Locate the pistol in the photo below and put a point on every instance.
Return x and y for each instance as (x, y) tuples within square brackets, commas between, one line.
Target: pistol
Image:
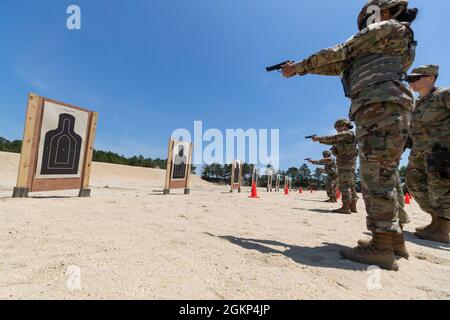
[(310, 137), (278, 67), (308, 159)]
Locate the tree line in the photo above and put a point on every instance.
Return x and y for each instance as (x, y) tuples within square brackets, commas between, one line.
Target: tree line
[(217, 173), (100, 156), (10, 146), (301, 177)]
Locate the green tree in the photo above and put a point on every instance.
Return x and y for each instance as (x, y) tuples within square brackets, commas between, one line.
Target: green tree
[(304, 175)]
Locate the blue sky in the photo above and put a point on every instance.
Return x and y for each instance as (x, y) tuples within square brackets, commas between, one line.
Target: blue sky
[(152, 66)]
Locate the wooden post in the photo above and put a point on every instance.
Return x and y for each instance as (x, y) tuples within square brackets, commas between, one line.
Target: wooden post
[(169, 167), (232, 176), (187, 190), (241, 169), (24, 178), (85, 191), (269, 180)]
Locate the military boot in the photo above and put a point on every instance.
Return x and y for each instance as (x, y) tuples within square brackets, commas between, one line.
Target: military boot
[(379, 252), (439, 233), (345, 208), (398, 244), (430, 227), (353, 206), (331, 200)]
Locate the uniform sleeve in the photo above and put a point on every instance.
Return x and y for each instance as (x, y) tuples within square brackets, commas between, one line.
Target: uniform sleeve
[(328, 140), (322, 162), (333, 140), (444, 97), (331, 61)]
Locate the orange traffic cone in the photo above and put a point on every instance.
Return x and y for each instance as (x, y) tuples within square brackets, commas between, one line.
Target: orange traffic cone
[(407, 199), (338, 194), (301, 190), (286, 190), (254, 194)]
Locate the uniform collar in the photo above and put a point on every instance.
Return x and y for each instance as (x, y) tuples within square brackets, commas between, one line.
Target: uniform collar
[(429, 95)]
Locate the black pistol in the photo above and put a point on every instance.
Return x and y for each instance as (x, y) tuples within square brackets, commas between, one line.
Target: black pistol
[(277, 67), (310, 137)]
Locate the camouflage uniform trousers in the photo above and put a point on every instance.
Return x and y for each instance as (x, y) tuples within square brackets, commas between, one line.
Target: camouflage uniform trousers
[(430, 190), (382, 130), (331, 186), (347, 183)]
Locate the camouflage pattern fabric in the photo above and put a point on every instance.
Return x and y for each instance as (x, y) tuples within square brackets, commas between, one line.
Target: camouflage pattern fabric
[(390, 38), (382, 4), (430, 125), (331, 172), (347, 184), (381, 111), (382, 130), (425, 70), (344, 148)]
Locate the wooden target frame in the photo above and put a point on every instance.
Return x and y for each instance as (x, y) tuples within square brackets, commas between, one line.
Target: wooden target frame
[(269, 180), (171, 182), (29, 179), (277, 183), (286, 182), (236, 185)]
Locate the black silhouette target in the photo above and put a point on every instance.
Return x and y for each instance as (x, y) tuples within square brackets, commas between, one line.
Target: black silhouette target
[(62, 148), (180, 164), (237, 169)]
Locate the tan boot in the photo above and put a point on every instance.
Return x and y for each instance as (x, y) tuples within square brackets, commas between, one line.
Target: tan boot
[(430, 227), (345, 208), (439, 233), (331, 200), (398, 244), (380, 252), (353, 206)]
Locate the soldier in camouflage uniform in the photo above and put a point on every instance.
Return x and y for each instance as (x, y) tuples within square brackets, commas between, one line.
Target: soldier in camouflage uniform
[(430, 134), (344, 146), (330, 170), (372, 64)]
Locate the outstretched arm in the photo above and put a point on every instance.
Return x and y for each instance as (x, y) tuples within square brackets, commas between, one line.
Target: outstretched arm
[(333, 140), (331, 61), (322, 162), (328, 140)]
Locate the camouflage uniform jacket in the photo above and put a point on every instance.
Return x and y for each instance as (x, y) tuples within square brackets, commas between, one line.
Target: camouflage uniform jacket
[(387, 38), (344, 148), (330, 166), (430, 122)]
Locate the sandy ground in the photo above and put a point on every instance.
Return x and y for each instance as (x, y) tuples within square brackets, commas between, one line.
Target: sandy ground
[(130, 242)]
